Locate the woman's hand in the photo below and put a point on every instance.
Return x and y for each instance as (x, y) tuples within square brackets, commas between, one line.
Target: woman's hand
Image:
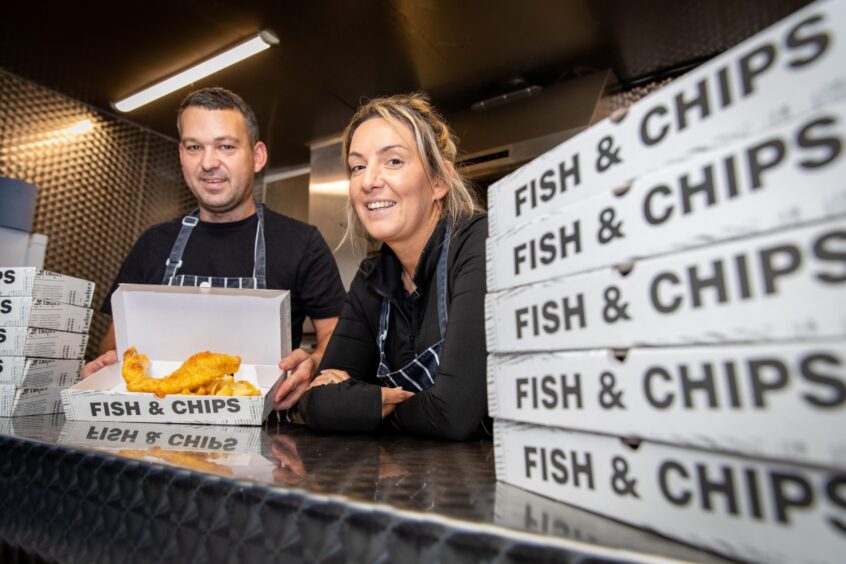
[(329, 376), (391, 398), (295, 385), (105, 359)]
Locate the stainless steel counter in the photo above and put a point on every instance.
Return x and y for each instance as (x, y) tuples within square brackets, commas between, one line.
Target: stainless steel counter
[(119, 492)]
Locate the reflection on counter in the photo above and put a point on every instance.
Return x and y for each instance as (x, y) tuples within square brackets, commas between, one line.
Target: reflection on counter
[(201, 438), (452, 483), (433, 475), (233, 451), (453, 479), (519, 509), (42, 428)]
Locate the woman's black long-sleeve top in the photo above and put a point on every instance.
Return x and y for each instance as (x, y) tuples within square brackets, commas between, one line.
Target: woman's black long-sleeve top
[(456, 404)]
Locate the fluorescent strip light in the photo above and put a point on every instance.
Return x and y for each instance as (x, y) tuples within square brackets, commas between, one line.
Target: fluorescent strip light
[(201, 70)]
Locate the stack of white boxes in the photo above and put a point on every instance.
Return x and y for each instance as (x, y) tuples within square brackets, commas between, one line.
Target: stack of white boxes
[(666, 317), (44, 321)]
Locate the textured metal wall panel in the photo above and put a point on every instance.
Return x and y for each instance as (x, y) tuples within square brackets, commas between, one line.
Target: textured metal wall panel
[(101, 180)]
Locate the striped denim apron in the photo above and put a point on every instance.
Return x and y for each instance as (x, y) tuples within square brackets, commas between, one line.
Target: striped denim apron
[(174, 261), (420, 373)]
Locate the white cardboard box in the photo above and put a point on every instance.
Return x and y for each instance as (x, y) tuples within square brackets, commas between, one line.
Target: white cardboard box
[(15, 401), (169, 324), (42, 343), (785, 176), (39, 372), (783, 401), (25, 281), (30, 312), (21, 247), (741, 507), (791, 67), (786, 285)]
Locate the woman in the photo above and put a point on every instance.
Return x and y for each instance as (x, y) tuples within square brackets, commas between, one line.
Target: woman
[(409, 349)]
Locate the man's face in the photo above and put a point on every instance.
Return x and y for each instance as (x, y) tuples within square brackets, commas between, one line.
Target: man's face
[(219, 163)]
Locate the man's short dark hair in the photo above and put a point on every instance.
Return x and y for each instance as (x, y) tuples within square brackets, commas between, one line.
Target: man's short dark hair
[(218, 98)]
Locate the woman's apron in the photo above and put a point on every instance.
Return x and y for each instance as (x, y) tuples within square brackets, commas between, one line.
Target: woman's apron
[(420, 373)]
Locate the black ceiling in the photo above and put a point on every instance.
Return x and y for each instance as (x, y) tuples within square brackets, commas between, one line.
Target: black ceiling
[(332, 53)]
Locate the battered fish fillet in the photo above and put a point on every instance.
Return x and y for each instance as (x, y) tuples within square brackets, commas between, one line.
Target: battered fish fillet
[(199, 370)]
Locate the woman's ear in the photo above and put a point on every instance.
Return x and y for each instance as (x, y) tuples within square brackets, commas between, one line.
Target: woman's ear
[(442, 184)]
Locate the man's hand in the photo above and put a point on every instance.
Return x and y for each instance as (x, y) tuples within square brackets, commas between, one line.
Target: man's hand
[(296, 384), (391, 398), (105, 359)]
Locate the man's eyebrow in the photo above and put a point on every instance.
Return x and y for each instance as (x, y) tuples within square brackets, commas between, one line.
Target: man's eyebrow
[(227, 138)]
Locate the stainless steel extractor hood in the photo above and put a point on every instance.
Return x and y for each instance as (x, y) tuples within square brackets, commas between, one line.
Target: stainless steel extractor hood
[(498, 140)]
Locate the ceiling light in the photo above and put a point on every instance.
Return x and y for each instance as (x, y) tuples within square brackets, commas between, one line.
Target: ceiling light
[(259, 43)]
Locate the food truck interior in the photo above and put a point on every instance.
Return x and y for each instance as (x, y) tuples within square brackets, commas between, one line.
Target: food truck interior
[(514, 80)]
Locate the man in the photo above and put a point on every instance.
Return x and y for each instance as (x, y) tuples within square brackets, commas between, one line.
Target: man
[(229, 241)]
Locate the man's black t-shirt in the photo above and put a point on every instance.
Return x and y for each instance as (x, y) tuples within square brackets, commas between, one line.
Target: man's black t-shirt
[(298, 260)]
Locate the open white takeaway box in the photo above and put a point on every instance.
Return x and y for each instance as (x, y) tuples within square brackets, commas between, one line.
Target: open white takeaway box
[(169, 324)]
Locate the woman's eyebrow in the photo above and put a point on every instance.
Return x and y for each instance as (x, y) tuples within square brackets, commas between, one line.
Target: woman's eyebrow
[(390, 147), (380, 151)]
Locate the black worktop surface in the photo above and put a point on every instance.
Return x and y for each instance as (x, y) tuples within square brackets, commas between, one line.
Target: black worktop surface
[(79, 491)]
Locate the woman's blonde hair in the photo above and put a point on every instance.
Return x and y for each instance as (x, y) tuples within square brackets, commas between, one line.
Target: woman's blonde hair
[(436, 146)]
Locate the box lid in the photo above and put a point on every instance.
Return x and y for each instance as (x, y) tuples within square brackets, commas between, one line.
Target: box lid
[(171, 323)]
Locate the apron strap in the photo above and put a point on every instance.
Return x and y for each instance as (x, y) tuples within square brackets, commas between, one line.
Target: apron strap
[(174, 261), (259, 255), (442, 281)]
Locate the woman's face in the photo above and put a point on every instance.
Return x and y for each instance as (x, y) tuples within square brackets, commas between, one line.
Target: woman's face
[(389, 189)]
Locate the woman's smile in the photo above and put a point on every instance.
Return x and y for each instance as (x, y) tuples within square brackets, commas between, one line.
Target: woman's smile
[(381, 204)]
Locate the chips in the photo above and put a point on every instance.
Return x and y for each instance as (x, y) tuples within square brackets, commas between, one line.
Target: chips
[(224, 386)]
